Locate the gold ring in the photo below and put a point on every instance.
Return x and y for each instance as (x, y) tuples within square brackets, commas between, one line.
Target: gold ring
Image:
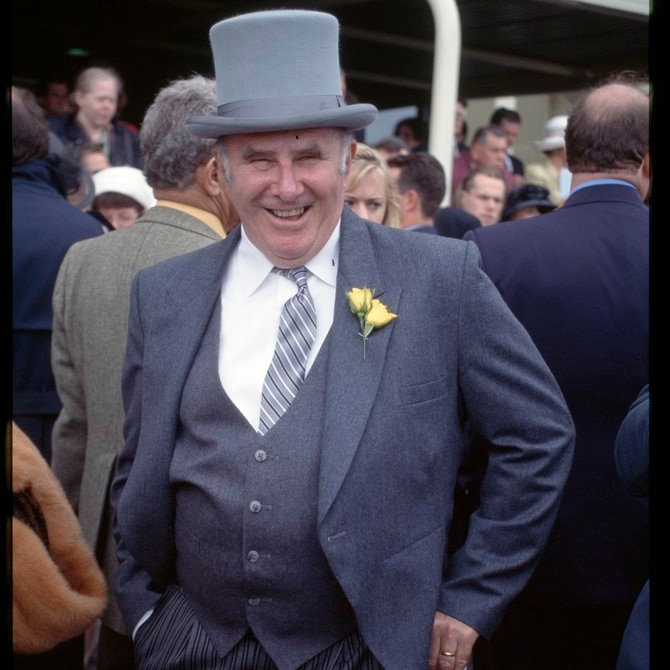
[(448, 653)]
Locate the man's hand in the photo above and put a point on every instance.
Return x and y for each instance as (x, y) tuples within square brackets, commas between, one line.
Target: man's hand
[(451, 644)]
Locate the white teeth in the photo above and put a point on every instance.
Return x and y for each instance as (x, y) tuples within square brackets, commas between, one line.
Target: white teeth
[(287, 213)]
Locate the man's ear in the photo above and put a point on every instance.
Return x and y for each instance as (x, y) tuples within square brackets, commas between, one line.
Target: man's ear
[(210, 176), (412, 200), (350, 157)]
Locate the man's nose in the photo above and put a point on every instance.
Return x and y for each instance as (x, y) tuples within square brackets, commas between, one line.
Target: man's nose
[(287, 184)]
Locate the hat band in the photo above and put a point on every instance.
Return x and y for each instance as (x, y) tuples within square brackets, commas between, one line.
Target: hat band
[(286, 106)]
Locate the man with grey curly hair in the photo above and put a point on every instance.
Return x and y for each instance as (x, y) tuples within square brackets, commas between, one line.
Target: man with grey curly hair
[(91, 313)]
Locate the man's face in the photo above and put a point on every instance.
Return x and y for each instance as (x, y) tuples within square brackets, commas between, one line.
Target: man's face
[(512, 131), (288, 188), (485, 199), (57, 98), (491, 153)]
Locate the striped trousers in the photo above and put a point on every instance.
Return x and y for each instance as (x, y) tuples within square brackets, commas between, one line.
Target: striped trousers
[(173, 639)]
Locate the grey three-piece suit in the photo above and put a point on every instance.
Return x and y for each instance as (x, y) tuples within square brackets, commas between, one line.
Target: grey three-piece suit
[(338, 517)]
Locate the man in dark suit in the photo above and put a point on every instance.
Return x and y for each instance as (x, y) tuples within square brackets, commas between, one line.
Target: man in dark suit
[(319, 541), (421, 184), (91, 317), (509, 120), (578, 279)]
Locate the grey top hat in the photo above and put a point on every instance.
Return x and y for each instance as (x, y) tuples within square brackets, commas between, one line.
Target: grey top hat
[(278, 70)]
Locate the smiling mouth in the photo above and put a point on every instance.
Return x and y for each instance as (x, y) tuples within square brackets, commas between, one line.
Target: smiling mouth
[(289, 213)]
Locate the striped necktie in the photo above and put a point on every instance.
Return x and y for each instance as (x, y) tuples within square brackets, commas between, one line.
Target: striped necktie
[(297, 330)]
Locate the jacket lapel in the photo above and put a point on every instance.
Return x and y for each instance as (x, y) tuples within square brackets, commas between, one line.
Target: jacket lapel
[(352, 383), (186, 312)]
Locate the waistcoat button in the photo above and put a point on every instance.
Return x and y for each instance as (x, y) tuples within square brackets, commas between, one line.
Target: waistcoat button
[(260, 455), (252, 556), (254, 602), (255, 506)]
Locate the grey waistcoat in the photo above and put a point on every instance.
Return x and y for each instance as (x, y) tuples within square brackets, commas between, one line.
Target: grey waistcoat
[(248, 554)]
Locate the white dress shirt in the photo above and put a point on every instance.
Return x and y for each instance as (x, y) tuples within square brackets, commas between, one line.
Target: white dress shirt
[(252, 298)]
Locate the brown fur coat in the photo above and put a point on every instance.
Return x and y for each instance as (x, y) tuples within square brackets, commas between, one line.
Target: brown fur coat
[(58, 590)]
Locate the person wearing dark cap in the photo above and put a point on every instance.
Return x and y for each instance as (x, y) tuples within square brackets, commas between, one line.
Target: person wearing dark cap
[(289, 506), (526, 201)]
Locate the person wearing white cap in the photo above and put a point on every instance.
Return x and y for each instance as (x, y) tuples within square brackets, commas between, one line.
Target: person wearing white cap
[(552, 171), (122, 195), (289, 507)]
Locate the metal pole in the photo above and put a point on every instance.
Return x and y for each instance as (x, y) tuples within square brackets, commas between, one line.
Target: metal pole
[(446, 68)]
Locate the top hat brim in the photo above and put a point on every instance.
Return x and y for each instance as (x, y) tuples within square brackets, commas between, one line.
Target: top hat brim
[(351, 117)]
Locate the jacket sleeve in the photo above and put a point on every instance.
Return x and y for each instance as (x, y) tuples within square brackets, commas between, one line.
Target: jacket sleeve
[(631, 448), (519, 416), (133, 586)]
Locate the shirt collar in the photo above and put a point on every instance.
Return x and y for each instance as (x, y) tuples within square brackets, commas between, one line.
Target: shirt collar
[(249, 267), (209, 219), (602, 182)]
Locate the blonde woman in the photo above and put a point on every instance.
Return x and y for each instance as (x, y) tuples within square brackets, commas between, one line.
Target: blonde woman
[(370, 191)]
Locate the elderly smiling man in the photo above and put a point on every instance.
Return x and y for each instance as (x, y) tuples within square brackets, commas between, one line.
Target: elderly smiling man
[(288, 504)]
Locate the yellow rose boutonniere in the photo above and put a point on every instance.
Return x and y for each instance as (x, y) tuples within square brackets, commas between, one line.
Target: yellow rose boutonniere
[(370, 311)]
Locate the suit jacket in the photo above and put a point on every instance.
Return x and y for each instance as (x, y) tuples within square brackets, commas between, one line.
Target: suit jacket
[(514, 165), (631, 454), (455, 355), (90, 322), (578, 279), (452, 221), (44, 226)]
